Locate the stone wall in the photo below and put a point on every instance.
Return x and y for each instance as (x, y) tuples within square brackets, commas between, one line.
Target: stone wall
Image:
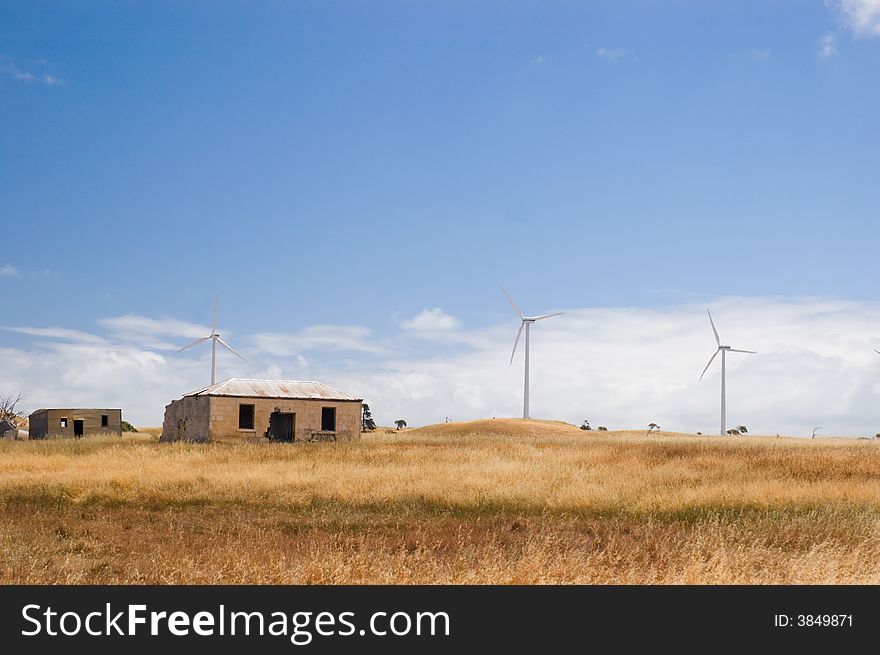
[(224, 417), (187, 419)]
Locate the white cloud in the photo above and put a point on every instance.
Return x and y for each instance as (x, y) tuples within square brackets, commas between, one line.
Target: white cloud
[(860, 16), (431, 320), (9, 68), (100, 375), (353, 338), (827, 46), (65, 334), (149, 332), (8, 270), (618, 367), (613, 54), (540, 59), (623, 367)]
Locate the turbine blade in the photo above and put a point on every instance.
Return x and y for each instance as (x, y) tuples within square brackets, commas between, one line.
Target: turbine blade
[(712, 359), (194, 343), (734, 350), (516, 343), (214, 324), (512, 304), (541, 318), (717, 338), (877, 351), (229, 348)]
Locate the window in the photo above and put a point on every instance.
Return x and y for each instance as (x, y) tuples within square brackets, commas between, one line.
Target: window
[(328, 419), (245, 417), (64, 423), (105, 420)]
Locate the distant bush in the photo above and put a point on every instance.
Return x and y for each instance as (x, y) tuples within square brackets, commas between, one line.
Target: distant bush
[(586, 426), (733, 432), (602, 428), (128, 427)]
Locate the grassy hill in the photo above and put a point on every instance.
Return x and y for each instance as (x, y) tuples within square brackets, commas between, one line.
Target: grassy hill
[(520, 427), (503, 501)]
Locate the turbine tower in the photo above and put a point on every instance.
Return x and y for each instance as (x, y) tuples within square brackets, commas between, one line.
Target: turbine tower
[(723, 350), (527, 324), (215, 338)]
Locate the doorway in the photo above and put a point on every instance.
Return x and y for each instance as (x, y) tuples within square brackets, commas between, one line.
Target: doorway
[(281, 426), (328, 419), (77, 427)]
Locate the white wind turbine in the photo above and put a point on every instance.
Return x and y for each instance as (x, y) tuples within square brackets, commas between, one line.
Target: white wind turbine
[(526, 323), (723, 350), (215, 338)]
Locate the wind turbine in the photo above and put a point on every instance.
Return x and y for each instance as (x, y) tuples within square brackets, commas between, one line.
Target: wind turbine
[(215, 338), (527, 324), (723, 350)]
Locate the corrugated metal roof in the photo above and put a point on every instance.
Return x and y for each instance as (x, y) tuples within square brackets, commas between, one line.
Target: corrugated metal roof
[(75, 409), (291, 389)]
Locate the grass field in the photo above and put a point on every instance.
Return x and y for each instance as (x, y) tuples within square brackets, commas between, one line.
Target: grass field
[(502, 501)]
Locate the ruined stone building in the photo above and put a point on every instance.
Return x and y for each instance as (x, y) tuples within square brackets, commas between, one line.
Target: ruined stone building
[(260, 410), (74, 422)]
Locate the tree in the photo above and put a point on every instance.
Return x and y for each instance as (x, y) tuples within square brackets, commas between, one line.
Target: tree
[(652, 427), (586, 425), (9, 411), (400, 423), (743, 429), (733, 432), (602, 428), (367, 422), (128, 427)]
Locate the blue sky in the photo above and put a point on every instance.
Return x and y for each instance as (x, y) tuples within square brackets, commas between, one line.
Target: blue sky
[(340, 168)]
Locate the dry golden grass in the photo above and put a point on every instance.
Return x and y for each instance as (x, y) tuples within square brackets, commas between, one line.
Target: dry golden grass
[(502, 501)]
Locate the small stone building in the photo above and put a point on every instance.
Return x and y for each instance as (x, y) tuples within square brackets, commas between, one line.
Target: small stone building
[(263, 410), (74, 422)]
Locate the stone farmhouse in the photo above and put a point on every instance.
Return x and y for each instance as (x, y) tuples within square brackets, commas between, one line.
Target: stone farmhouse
[(239, 410)]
